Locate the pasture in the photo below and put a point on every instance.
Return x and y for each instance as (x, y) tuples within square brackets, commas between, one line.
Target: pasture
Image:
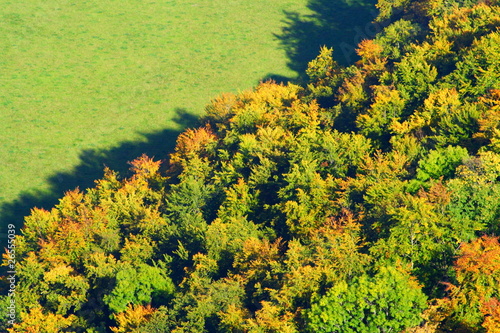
[(80, 76), (92, 83)]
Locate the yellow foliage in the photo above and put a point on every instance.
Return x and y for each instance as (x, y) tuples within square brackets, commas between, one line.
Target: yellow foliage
[(132, 318), (100, 265), (271, 136), (413, 123), (464, 20), (432, 317), (442, 102), (270, 318), (137, 248), (234, 317), (306, 117), (489, 121), (258, 256), (272, 95), (434, 50), (387, 106), (352, 91), (38, 322), (222, 107), (71, 203), (57, 273), (385, 166), (323, 68), (73, 239), (38, 225)]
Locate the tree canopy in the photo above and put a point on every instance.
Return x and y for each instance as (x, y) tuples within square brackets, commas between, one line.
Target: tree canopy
[(365, 200)]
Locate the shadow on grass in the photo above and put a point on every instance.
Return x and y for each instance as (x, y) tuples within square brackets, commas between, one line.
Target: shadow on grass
[(91, 167), (280, 79), (340, 24)]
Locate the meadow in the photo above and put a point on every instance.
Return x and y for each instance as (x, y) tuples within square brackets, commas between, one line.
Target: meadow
[(97, 83), (90, 75)]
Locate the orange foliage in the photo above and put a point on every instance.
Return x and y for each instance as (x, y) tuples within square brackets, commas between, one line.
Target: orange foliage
[(145, 165), (369, 50), (371, 55), (481, 256), (475, 299), (491, 312), (132, 318), (438, 195), (195, 141)]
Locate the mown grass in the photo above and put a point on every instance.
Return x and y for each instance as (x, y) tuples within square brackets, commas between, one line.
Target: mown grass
[(89, 75)]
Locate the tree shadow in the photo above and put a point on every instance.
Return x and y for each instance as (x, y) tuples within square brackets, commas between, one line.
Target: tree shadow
[(279, 79), (340, 24), (91, 167)]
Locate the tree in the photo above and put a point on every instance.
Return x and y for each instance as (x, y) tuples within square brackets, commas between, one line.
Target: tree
[(389, 301), (474, 298)]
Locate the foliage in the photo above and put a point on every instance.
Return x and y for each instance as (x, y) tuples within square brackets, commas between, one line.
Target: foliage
[(474, 300), (388, 301), (366, 200), (77, 68), (132, 318)]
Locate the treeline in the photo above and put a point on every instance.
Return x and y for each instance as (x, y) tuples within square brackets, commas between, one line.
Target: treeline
[(367, 200)]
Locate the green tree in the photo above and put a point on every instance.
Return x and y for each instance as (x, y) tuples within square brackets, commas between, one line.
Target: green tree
[(389, 301), (139, 285), (437, 164)]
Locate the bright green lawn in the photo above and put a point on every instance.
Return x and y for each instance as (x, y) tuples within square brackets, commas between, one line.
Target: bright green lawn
[(79, 75)]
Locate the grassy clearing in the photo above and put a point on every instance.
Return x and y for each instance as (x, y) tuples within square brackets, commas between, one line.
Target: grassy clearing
[(80, 75)]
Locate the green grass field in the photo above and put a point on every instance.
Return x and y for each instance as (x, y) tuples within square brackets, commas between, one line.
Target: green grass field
[(93, 83), (90, 75)]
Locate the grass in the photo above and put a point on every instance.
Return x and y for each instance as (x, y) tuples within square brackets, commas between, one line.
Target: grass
[(90, 75)]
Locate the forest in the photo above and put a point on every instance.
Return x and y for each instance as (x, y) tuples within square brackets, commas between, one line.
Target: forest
[(365, 199)]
